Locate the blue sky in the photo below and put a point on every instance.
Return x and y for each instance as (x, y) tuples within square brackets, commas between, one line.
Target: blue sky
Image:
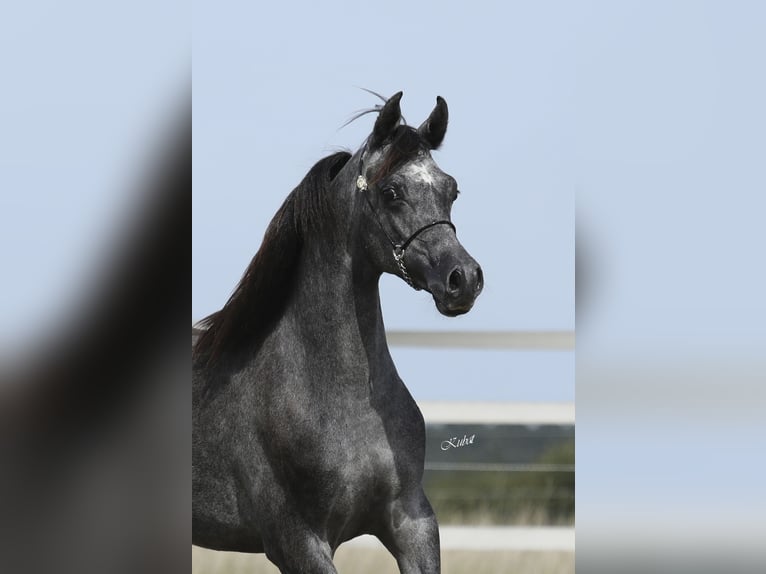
[(271, 91)]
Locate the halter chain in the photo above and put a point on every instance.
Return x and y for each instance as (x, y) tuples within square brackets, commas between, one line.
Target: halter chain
[(398, 248)]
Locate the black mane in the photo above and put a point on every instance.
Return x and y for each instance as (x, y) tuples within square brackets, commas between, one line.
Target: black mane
[(268, 282), (260, 297)]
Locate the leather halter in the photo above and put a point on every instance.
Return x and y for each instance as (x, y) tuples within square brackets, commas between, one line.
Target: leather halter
[(398, 248)]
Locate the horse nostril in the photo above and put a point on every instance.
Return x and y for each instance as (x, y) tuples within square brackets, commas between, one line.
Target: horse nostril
[(455, 281), (479, 279)]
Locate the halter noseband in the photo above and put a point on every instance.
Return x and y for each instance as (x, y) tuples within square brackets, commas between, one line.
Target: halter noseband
[(398, 248)]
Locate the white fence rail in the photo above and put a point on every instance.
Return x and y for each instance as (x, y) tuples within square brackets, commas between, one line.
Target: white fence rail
[(478, 412), (537, 538), (509, 340)]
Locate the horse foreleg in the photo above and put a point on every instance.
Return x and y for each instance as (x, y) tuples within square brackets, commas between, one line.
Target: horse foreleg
[(412, 534), (299, 551)]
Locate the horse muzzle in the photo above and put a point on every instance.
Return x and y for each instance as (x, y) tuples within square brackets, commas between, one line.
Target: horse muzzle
[(456, 290)]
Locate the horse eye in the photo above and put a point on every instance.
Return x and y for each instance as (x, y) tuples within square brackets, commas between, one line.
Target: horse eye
[(390, 193)]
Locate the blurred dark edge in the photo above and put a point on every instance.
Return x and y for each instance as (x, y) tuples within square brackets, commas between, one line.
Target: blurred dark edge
[(95, 433)]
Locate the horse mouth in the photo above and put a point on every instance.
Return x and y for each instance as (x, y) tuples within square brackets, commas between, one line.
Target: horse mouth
[(453, 310)]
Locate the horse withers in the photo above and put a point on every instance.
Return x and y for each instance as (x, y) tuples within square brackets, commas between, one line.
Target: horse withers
[(304, 436)]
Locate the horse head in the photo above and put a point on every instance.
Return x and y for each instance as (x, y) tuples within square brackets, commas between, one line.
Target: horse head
[(408, 203)]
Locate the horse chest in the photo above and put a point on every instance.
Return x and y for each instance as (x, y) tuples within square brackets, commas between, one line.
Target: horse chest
[(342, 459), (341, 452), (356, 449), (361, 481)]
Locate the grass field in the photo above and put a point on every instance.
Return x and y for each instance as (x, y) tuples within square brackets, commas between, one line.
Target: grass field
[(350, 560)]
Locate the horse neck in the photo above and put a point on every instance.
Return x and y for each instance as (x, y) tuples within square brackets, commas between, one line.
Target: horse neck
[(332, 290), (336, 303)]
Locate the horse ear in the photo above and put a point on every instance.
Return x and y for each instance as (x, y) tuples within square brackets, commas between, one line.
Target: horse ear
[(434, 128), (388, 118)]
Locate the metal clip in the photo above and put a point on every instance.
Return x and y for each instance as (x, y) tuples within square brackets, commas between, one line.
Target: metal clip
[(399, 258), (361, 183)]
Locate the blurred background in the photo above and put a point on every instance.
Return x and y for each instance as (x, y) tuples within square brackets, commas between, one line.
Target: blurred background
[(671, 318), (95, 196)]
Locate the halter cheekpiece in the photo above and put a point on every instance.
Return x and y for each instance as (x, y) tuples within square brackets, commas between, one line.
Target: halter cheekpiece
[(398, 248)]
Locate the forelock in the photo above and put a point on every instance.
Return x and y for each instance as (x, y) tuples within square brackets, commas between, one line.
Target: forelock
[(405, 145)]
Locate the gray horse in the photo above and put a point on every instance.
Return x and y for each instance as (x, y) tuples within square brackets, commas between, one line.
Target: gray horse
[(304, 436)]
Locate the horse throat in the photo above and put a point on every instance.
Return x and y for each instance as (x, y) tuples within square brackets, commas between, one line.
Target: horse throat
[(336, 311)]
